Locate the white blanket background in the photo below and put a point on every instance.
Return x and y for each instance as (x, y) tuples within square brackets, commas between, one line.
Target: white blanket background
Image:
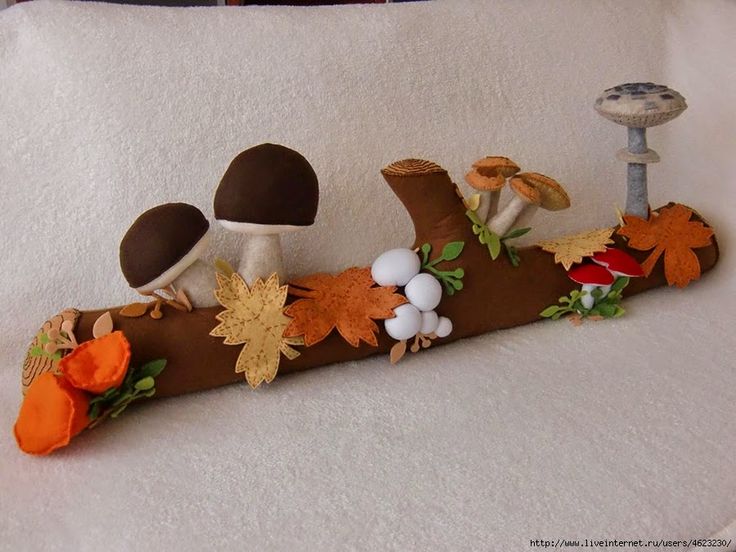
[(623, 429)]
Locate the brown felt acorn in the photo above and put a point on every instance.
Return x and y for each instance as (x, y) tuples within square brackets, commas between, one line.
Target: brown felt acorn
[(267, 190)]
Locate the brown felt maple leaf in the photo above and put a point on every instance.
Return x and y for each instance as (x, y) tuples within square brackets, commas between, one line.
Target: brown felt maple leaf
[(673, 233), (348, 301)]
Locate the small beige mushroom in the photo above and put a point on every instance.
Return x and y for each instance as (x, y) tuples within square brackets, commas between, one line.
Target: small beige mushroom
[(532, 190), (489, 177)]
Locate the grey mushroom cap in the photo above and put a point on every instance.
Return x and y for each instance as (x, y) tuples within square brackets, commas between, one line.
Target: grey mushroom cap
[(640, 104)]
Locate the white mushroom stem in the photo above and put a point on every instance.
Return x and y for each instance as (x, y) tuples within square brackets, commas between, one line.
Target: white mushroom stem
[(503, 221), (493, 199), (261, 257), (588, 300), (198, 282), (484, 206)]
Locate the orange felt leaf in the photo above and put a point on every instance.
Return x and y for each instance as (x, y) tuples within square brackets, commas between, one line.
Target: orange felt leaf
[(99, 364), (52, 412), (347, 301), (673, 233)]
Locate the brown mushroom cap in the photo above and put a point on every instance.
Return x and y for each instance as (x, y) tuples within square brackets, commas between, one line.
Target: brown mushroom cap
[(158, 240), (268, 185), (484, 183), (553, 196), (495, 166), (526, 191)]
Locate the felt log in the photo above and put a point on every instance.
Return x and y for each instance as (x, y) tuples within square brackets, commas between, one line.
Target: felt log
[(495, 295)]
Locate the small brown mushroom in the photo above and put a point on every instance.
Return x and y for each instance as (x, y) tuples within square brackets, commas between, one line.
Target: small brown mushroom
[(489, 177), (550, 196), (161, 250), (266, 191)]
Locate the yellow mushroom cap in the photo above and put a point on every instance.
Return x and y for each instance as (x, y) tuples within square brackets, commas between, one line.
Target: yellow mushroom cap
[(495, 166), (553, 197), (526, 191), (484, 183)]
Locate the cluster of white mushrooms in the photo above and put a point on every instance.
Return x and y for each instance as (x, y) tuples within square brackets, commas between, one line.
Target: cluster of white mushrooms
[(531, 191), (402, 268)]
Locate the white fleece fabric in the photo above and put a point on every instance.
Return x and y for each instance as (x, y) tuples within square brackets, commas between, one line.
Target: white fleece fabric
[(620, 429)]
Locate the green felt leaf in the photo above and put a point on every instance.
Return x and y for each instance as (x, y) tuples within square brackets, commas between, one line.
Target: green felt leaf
[(117, 411), (457, 284), (56, 356), (151, 369), (620, 283), (607, 310), (549, 311), (36, 351), (494, 245), (43, 339), (619, 312), (597, 293), (94, 411), (516, 233), (145, 384), (452, 250), (458, 273)]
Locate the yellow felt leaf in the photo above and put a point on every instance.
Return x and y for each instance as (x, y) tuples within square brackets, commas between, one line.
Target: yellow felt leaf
[(569, 250), (255, 319), (473, 202), (224, 267)]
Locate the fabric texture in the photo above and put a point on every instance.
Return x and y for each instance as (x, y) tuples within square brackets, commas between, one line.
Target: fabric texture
[(621, 428)]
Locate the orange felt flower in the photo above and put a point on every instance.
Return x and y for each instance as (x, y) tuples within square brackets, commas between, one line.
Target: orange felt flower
[(52, 412), (99, 364)]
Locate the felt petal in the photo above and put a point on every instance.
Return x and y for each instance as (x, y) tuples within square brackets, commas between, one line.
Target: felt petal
[(52, 412), (99, 364)]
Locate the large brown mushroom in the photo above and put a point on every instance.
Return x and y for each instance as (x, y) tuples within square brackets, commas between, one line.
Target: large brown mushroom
[(533, 190), (266, 191), (161, 251)]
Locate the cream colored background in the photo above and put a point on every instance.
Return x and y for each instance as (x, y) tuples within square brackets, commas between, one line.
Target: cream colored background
[(610, 430)]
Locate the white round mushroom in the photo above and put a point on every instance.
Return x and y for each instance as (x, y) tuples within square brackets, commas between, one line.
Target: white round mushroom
[(406, 324), (430, 320), (395, 267), (444, 327), (424, 292)]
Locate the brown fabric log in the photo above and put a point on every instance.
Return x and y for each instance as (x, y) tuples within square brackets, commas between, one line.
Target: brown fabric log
[(496, 295)]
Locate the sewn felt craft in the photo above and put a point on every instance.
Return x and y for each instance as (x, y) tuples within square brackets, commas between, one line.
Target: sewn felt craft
[(199, 326)]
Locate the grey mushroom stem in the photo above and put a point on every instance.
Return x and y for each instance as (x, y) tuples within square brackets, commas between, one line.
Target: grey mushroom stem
[(637, 198), (261, 257)]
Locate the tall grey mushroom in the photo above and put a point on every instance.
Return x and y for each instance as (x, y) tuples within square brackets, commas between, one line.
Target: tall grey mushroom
[(161, 251), (637, 106), (266, 191)]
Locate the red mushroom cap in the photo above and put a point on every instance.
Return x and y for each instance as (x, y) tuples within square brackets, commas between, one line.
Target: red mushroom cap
[(619, 261), (591, 274)]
